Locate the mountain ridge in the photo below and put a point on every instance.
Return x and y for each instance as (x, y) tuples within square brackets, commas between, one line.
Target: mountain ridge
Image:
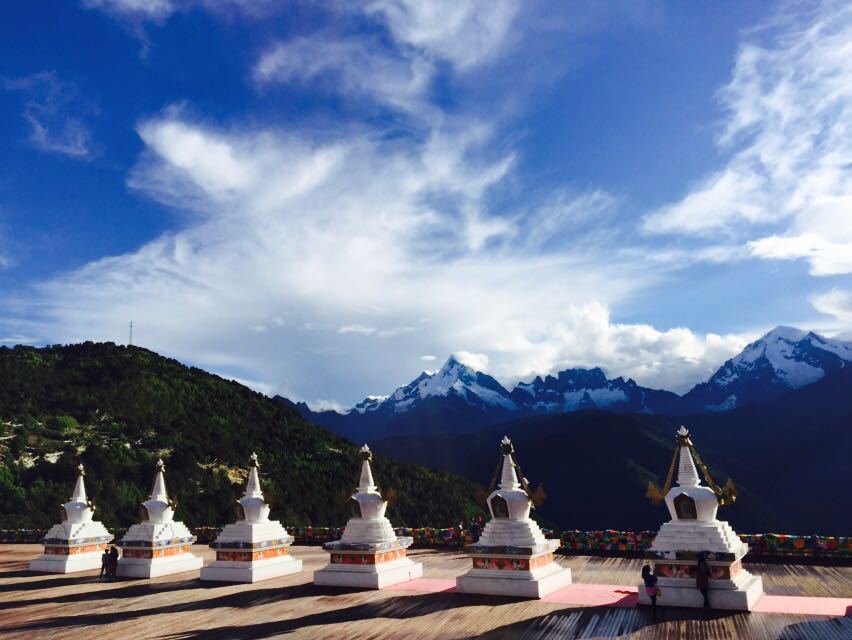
[(458, 398), (789, 460)]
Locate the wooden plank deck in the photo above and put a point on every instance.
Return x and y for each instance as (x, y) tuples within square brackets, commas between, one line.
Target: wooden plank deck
[(181, 607)]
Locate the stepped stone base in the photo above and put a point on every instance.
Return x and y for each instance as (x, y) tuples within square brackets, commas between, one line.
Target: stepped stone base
[(72, 546), (369, 576), (744, 597), (675, 554), (528, 571), (67, 563), (162, 566), (370, 565), (251, 571), (523, 584), (715, 536)]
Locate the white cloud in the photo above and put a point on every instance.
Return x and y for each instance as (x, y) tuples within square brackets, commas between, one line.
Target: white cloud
[(351, 67), (826, 258), (355, 236), (428, 358), (585, 336), (291, 227), (150, 9), (395, 331), (837, 303), (56, 114), (729, 196), (15, 339), (357, 328), (786, 187), (466, 34), (327, 405), (400, 76), (159, 10), (478, 361)]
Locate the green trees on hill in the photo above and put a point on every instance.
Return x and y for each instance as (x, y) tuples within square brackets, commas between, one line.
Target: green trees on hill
[(117, 409)]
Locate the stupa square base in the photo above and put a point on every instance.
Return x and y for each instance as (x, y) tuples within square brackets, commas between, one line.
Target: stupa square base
[(251, 571), (521, 584), (368, 576), (744, 597), (154, 567), (72, 563)]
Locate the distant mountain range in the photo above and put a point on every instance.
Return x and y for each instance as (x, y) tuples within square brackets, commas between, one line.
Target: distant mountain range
[(789, 458), (458, 399)]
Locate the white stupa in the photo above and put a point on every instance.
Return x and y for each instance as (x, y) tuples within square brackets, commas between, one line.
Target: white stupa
[(76, 544), (157, 546), (512, 557), (693, 530), (369, 554), (254, 548)]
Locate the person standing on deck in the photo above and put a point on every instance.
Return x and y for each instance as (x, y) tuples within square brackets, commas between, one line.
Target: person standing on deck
[(104, 564), (113, 562), (475, 530), (650, 581), (702, 579)]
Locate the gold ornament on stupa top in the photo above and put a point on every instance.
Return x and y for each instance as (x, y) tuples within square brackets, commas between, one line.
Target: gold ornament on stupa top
[(726, 494)]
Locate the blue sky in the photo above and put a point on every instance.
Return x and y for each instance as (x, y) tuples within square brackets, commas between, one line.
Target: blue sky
[(322, 199)]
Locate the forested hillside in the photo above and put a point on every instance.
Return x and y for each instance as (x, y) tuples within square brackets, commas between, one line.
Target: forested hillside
[(117, 409)]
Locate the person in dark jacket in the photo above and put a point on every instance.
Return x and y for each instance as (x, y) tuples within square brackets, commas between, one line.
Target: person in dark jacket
[(650, 581), (104, 564), (702, 579), (475, 530), (113, 562)]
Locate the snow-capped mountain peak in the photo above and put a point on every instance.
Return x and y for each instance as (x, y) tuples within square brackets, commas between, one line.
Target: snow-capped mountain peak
[(785, 358), (574, 389), (453, 380), (370, 403), (458, 379), (798, 358)]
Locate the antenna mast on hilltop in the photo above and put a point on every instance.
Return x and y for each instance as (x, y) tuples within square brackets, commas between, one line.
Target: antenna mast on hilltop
[(130, 340)]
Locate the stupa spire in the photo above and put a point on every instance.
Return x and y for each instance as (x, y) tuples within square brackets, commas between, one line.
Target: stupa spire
[(508, 477), (160, 544), (79, 494), (158, 491), (687, 474), (512, 540), (253, 485), (368, 541), (366, 484)]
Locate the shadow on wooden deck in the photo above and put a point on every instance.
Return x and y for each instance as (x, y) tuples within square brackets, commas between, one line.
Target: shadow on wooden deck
[(830, 629), (395, 608), (233, 600), (122, 589), (607, 622), (47, 583)]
